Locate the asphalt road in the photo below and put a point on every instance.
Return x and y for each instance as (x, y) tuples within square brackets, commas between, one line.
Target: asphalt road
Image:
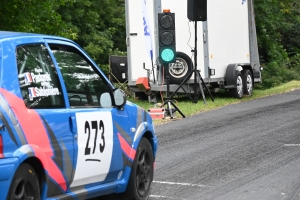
[(249, 150)]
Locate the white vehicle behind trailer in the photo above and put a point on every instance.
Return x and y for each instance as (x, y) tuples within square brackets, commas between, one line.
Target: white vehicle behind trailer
[(227, 52)]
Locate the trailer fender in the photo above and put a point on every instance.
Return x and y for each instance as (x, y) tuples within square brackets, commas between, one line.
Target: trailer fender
[(230, 77)]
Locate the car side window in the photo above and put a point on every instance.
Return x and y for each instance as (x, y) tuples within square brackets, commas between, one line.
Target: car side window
[(84, 84), (38, 79)]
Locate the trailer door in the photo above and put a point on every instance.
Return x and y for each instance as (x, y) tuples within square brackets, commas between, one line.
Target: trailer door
[(140, 38)]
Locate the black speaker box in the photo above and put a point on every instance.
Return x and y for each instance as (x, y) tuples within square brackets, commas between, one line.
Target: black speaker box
[(197, 10), (119, 68)]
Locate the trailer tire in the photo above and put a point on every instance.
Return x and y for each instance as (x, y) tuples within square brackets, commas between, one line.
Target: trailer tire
[(238, 91), (247, 82), (179, 70)]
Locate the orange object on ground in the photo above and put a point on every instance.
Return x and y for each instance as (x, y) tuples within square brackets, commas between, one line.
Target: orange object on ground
[(143, 83), (157, 113)]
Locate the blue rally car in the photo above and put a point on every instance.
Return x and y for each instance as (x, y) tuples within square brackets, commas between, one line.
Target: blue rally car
[(65, 131)]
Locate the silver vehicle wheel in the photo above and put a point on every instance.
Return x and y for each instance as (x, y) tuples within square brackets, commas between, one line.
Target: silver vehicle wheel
[(238, 92), (248, 82), (239, 86), (178, 69)]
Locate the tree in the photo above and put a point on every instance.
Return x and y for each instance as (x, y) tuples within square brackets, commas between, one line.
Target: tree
[(100, 26), (277, 22), (33, 16)]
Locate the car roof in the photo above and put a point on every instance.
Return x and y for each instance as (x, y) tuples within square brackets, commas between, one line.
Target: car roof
[(11, 34)]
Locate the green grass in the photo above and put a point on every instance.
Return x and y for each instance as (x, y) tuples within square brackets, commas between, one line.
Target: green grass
[(221, 99)]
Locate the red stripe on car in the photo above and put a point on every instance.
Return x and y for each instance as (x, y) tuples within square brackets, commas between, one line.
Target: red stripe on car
[(130, 152)]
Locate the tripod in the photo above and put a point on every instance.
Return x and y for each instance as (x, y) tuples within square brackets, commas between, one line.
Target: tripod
[(169, 101), (197, 78)]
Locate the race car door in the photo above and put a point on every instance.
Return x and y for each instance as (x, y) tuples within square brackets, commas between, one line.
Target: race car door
[(47, 119), (98, 156)]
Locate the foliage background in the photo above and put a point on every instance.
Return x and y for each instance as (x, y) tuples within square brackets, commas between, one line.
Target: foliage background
[(99, 27), (278, 28)]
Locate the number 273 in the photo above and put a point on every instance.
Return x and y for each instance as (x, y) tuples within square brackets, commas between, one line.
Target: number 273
[(95, 127)]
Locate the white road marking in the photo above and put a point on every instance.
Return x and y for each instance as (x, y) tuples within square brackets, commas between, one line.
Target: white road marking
[(291, 145), (159, 196), (184, 184)]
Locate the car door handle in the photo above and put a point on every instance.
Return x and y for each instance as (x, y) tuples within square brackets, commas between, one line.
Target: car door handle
[(73, 127)]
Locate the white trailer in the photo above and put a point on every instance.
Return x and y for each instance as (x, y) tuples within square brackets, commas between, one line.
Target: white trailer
[(227, 53)]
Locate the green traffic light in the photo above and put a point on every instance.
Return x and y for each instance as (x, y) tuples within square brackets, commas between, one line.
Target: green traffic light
[(167, 55)]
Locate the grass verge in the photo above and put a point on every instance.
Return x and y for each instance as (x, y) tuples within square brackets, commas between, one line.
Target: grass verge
[(221, 99)]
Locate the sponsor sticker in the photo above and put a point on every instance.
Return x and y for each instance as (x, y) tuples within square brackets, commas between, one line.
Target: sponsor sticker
[(28, 77), (32, 93), (41, 77), (42, 92)]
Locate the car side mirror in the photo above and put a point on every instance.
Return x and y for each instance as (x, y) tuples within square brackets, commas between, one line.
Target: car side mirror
[(119, 97)]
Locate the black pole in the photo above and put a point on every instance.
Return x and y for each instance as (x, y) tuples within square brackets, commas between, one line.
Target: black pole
[(153, 71), (195, 64)]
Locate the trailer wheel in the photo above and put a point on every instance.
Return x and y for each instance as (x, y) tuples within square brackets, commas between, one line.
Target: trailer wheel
[(179, 70), (238, 92), (247, 82)]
